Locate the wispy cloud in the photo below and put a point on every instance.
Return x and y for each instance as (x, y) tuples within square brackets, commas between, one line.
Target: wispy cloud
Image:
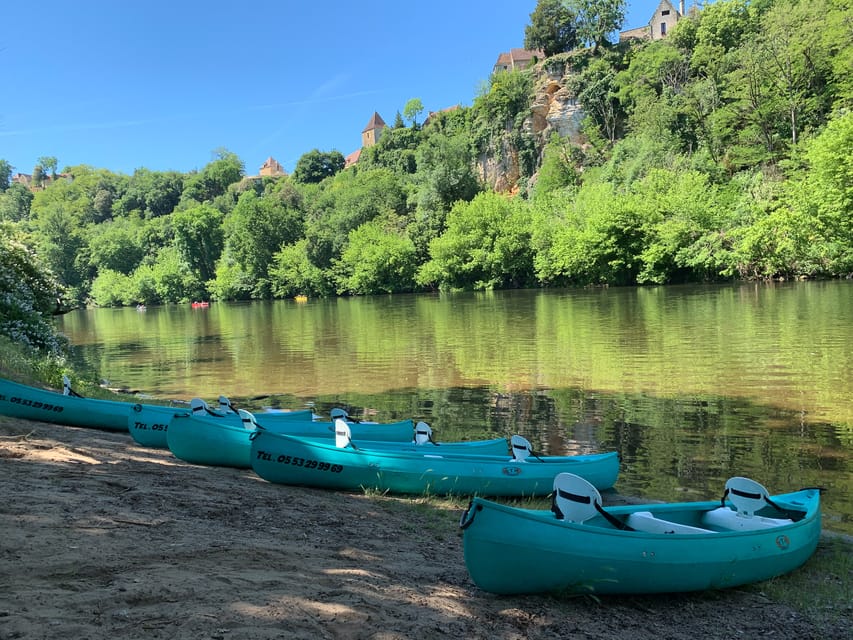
[(315, 98), (88, 126)]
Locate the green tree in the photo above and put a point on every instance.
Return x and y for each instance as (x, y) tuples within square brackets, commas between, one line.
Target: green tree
[(294, 274), (173, 279), (116, 245), (486, 246), (593, 238), (152, 193), (60, 237), (15, 203), (412, 110), (790, 41), (596, 19), (825, 193), (5, 175), (232, 282), (595, 88), (38, 176), (215, 178), (379, 258), (394, 151), (256, 230), (346, 202), (552, 28), (445, 176), (49, 163), (558, 168), (199, 238), (30, 296), (315, 166), (111, 289)]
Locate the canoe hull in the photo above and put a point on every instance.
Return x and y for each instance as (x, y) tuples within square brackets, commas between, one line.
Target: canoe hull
[(539, 553), (32, 403), (225, 442), (283, 459), (213, 442), (149, 427)]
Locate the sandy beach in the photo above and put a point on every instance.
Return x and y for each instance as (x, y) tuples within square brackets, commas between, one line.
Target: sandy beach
[(105, 539)]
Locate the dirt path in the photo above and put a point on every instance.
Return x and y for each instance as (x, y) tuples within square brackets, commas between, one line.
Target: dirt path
[(104, 539)]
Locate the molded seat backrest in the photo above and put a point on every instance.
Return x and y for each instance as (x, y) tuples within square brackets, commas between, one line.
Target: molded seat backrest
[(647, 522), (521, 448), (247, 419), (198, 406), (337, 412), (225, 405), (423, 433), (746, 495), (66, 386), (343, 435), (575, 497)]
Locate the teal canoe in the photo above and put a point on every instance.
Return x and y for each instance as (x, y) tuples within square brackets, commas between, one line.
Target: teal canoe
[(24, 401), (149, 427), (217, 442), (285, 459), (579, 547)]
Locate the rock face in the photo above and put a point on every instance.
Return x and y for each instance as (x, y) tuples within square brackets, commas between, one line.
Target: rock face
[(554, 110)]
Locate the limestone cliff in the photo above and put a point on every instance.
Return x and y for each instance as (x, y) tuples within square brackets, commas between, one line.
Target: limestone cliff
[(553, 109)]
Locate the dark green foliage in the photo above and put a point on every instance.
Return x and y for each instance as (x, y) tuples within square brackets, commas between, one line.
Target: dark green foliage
[(30, 296), (349, 200), (199, 239), (5, 175), (315, 166), (214, 179), (552, 28), (152, 193), (15, 203), (722, 151), (255, 231)]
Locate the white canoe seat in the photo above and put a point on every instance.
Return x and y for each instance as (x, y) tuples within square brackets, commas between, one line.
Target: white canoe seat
[(66, 388), (225, 405), (343, 435), (577, 500), (647, 522), (574, 499), (337, 412), (423, 433), (747, 496), (247, 419), (199, 407), (521, 448), (731, 520)]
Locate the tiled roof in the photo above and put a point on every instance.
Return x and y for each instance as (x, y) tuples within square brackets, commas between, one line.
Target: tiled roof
[(352, 158), (376, 122)]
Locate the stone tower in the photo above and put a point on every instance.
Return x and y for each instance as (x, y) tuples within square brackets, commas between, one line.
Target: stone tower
[(372, 132)]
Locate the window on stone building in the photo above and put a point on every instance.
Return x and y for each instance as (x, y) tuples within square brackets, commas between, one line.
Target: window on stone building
[(663, 28)]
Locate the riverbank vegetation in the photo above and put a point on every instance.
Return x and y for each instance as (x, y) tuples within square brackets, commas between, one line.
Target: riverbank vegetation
[(724, 151)]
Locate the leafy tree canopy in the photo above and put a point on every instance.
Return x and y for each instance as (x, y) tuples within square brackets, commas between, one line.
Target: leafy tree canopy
[(315, 166), (552, 28)]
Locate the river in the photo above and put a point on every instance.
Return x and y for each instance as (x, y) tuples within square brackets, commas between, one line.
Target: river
[(692, 384)]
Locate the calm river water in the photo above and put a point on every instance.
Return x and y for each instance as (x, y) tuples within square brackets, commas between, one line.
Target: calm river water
[(691, 384)]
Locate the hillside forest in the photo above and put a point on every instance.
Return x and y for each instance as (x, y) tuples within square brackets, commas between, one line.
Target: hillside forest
[(724, 151)]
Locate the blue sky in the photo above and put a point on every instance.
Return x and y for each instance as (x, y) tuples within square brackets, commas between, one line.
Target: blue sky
[(163, 84)]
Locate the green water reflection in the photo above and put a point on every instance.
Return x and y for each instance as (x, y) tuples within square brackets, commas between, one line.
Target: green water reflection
[(690, 384)]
